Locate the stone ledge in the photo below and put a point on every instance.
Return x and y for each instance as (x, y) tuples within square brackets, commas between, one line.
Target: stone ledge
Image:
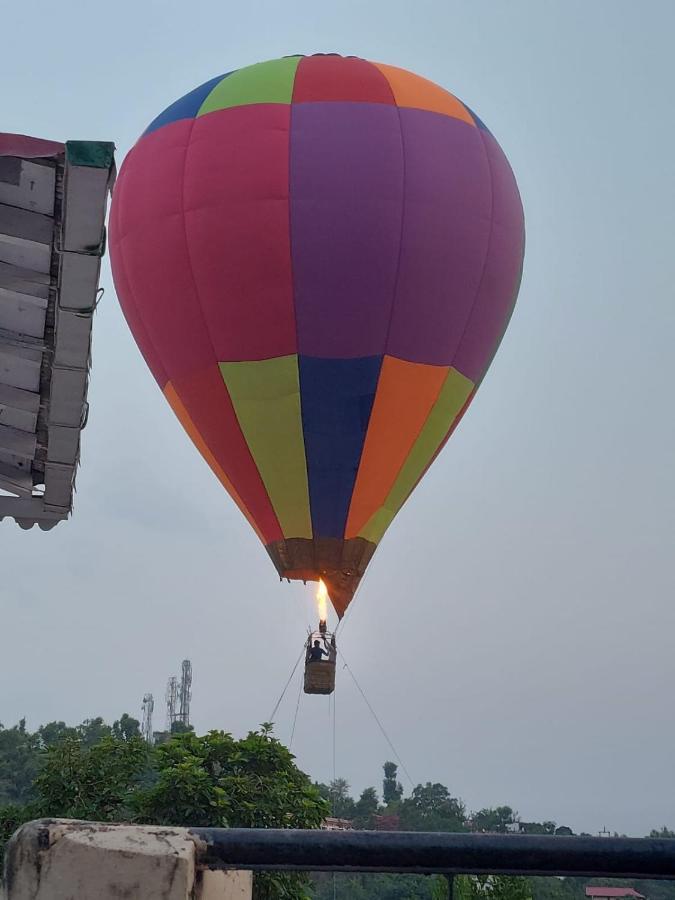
[(61, 859)]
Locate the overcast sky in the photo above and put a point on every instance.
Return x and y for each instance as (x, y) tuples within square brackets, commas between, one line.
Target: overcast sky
[(515, 631)]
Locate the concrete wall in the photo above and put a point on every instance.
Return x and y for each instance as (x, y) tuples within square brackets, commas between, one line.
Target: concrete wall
[(68, 860)]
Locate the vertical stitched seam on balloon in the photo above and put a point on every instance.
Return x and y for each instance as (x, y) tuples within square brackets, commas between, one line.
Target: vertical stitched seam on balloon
[(410, 452), (208, 333), (485, 261), (466, 326), (446, 437), (477, 382), (393, 304), (295, 315), (393, 299)]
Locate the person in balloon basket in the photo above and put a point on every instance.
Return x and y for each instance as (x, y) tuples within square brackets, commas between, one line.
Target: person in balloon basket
[(316, 652)]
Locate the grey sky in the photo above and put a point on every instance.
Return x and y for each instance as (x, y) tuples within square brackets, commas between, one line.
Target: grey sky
[(515, 632)]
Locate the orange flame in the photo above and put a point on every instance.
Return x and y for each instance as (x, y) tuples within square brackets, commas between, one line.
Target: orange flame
[(322, 600)]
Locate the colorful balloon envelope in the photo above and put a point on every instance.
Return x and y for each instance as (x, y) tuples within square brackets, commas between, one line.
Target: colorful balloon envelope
[(318, 257)]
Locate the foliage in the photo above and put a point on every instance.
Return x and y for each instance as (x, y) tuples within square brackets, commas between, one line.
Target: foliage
[(217, 780), (492, 887), (11, 818), (18, 763), (110, 774), (95, 771), (91, 782), (180, 727), (126, 728), (392, 790), (372, 887), (494, 819), (366, 808), (342, 806), (249, 783), (431, 808)]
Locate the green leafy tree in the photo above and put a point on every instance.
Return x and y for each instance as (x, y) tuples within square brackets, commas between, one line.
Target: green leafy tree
[(180, 728), (12, 817), (493, 819), (53, 732), (250, 783), (92, 731), (661, 833), (366, 808), (392, 790), (431, 808), (214, 780), (492, 887), (338, 797), (91, 782), (126, 728), (328, 886), (19, 762), (484, 887)]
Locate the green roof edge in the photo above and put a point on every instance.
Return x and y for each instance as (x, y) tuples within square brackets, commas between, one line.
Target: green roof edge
[(95, 154)]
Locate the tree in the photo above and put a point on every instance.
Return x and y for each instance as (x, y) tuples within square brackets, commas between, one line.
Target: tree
[(492, 887), (392, 790), (180, 727), (92, 731), (214, 780), (249, 783), (337, 795), (126, 728), (53, 732), (431, 808), (493, 819), (661, 833), (96, 782), (19, 763), (366, 808)]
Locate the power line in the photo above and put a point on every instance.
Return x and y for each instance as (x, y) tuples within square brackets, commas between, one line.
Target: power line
[(380, 725)]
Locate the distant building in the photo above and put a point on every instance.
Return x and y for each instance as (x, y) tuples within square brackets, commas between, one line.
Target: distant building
[(598, 892), (333, 824)]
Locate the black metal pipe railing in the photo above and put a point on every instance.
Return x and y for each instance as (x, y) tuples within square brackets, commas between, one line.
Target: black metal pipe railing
[(424, 852)]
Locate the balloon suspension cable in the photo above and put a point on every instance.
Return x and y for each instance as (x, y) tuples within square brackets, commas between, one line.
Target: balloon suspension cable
[(331, 697), (351, 605), (290, 678), (379, 724), (297, 708)]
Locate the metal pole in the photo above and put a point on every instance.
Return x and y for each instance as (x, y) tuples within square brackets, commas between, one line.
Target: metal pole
[(445, 854)]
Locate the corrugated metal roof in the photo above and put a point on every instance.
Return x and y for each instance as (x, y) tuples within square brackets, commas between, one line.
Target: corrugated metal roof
[(53, 201)]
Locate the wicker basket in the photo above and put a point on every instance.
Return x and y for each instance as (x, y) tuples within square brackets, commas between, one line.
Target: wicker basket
[(319, 677)]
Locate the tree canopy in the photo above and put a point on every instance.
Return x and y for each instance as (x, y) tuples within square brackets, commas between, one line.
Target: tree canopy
[(108, 773)]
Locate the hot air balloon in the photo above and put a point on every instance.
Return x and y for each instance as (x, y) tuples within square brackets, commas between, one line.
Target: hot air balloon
[(318, 257)]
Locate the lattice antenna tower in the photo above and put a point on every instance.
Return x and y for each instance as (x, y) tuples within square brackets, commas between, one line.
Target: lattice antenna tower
[(146, 727), (171, 701), (185, 693)]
